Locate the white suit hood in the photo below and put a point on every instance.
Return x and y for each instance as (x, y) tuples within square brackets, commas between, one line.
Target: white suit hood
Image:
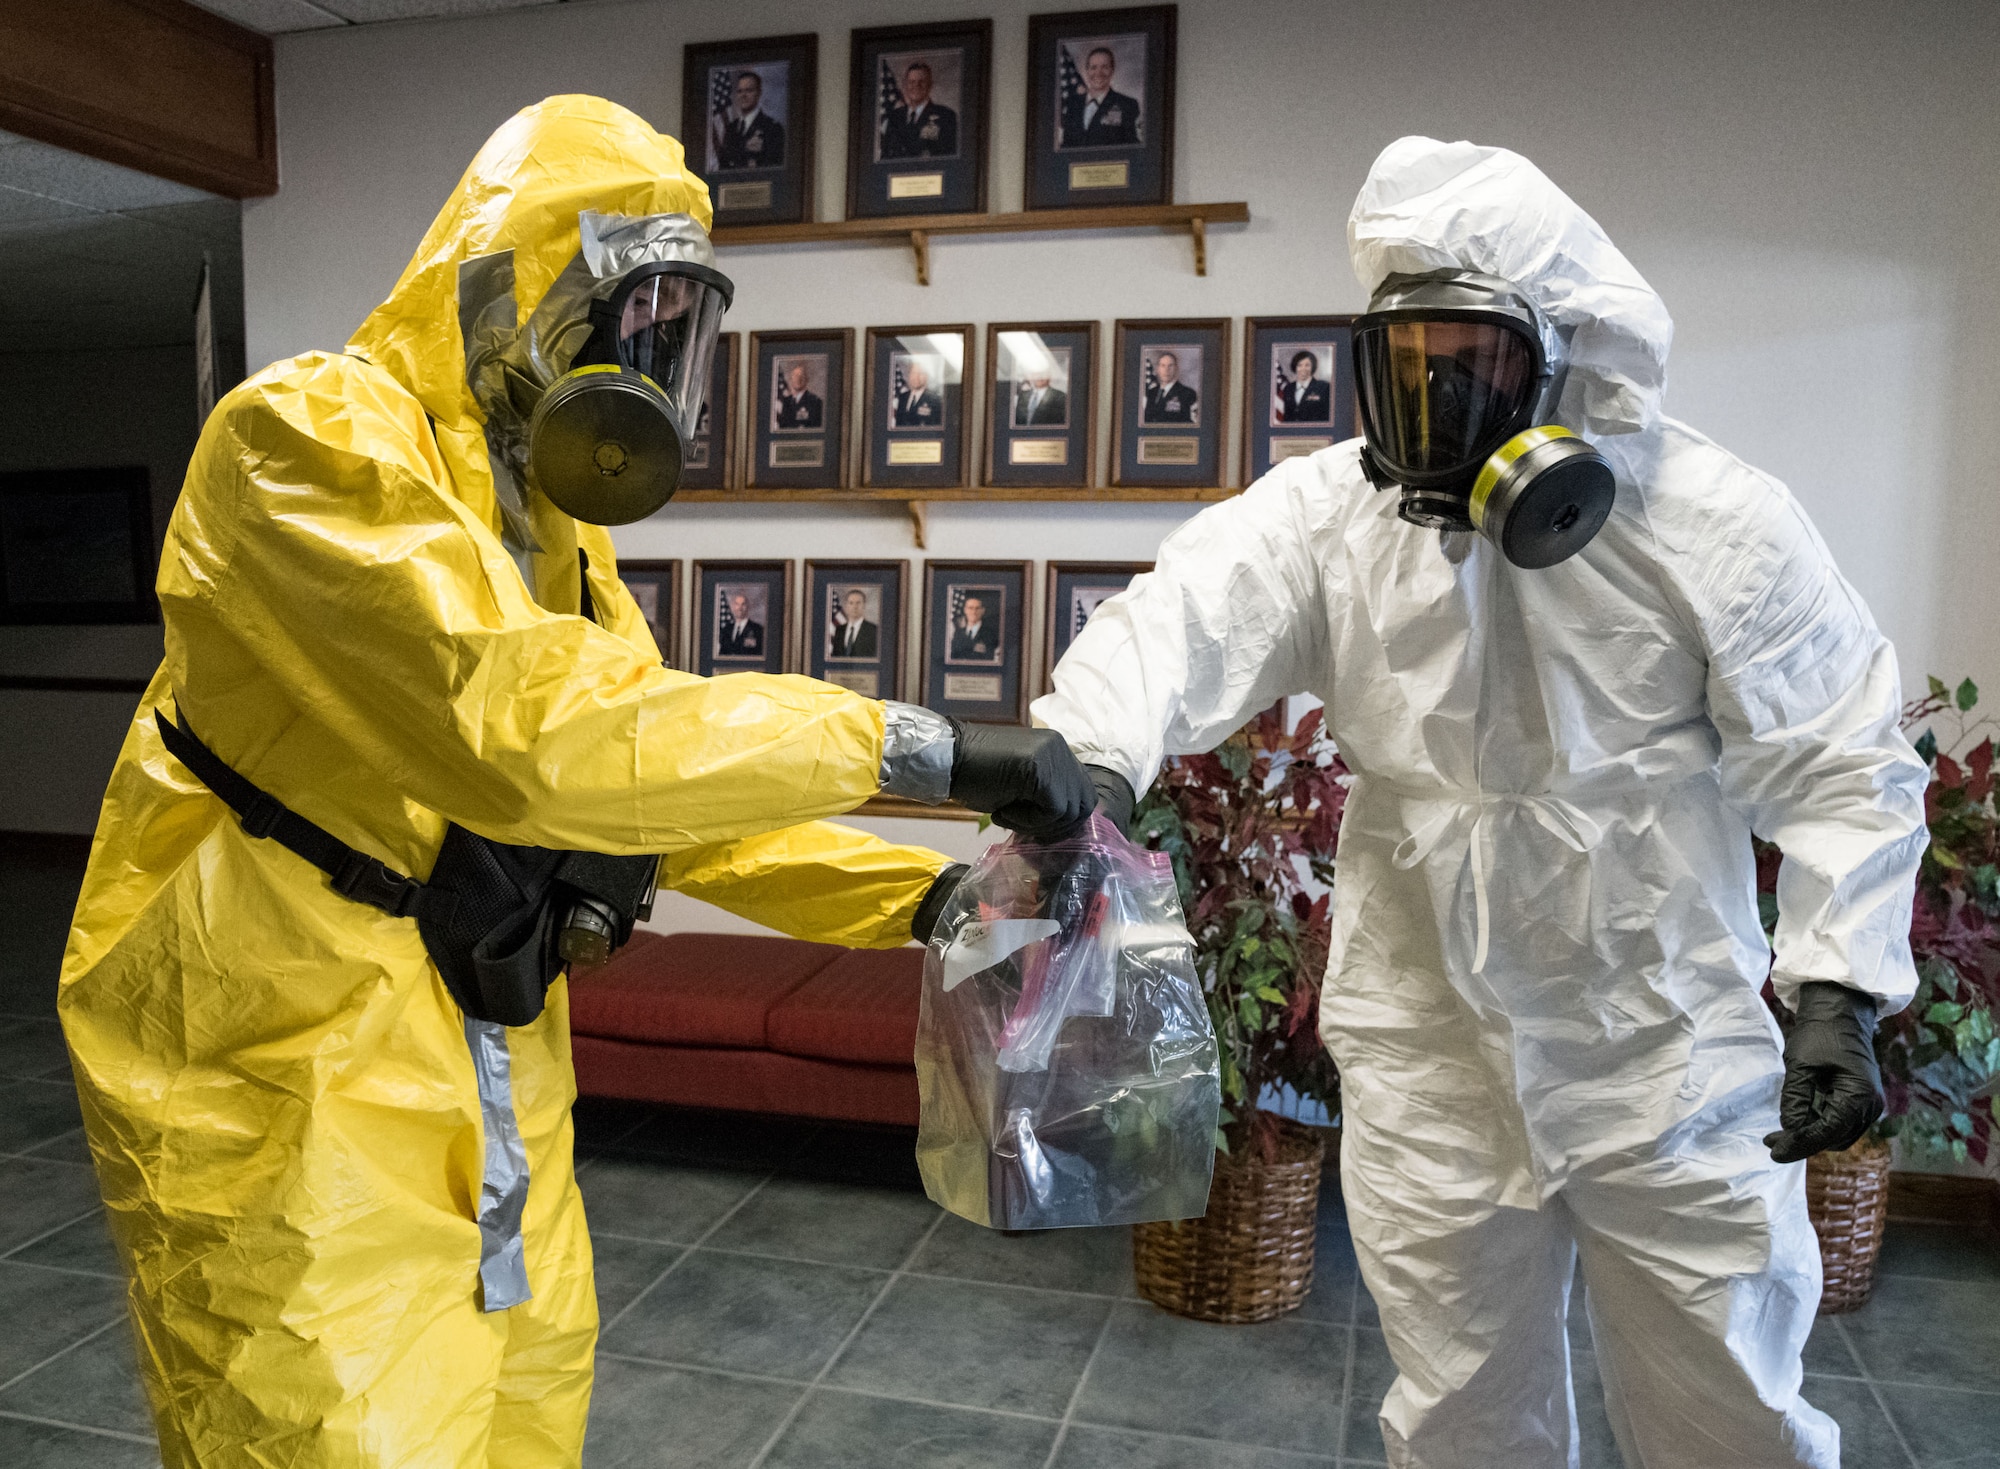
[(1429, 205)]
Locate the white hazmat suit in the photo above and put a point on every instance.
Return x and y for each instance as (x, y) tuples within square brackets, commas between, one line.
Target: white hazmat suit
[(1543, 986)]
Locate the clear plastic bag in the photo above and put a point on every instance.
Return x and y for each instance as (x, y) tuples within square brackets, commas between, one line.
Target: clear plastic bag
[(1064, 1054)]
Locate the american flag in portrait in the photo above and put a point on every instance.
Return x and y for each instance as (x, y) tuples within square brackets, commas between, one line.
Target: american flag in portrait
[(725, 619), (1071, 90), (888, 103)]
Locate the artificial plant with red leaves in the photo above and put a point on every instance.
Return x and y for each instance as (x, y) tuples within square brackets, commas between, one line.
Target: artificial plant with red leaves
[(1246, 826), (1940, 1056)]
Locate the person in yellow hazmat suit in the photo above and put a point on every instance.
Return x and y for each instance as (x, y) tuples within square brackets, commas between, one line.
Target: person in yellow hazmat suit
[(412, 746)]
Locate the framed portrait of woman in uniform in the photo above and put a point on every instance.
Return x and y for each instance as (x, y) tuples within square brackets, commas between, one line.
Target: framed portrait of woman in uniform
[(1100, 108), (917, 119), (1298, 384)]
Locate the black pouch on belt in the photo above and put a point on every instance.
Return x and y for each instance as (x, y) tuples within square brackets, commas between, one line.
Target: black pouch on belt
[(499, 921), (493, 916)]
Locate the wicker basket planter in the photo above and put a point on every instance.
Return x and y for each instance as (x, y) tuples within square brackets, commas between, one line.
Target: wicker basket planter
[(1250, 1258), (1847, 1194)]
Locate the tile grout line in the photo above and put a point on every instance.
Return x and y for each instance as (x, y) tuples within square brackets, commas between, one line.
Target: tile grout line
[(734, 1375), (20, 1377), (791, 1416), (1347, 1368), (47, 1233), (682, 1258), (1076, 1393), (1875, 1392), (150, 1443)]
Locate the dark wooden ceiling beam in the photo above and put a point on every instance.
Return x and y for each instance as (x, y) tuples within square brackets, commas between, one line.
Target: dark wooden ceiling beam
[(157, 85)]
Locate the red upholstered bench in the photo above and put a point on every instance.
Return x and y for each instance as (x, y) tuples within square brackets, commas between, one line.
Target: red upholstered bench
[(753, 1024)]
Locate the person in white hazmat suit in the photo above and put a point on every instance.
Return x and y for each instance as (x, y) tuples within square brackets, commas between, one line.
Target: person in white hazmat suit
[(1565, 724)]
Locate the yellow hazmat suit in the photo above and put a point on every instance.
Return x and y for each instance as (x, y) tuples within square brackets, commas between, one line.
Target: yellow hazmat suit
[(280, 1095)]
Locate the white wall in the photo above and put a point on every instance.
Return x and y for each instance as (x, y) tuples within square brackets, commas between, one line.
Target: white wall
[(1814, 187)]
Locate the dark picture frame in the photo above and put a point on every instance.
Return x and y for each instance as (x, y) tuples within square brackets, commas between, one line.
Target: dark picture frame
[(710, 461), (979, 674), (1280, 425), (722, 642), (1169, 435), (733, 157), (1046, 438), (656, 587), (76, 546), (916, 439), (1116, 147), (906, 158), (871, 666), (782, 439), (1073, 588)]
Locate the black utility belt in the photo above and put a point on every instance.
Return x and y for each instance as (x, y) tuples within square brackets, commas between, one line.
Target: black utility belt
[(501, 922)]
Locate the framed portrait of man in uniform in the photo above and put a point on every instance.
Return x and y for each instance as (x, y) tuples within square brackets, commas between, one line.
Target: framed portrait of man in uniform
[(915, 434), (742, 617), (1076, 589), (656, 587), (747, 121), (1041, 412), (709, 461), (1100, 108), (917, 119), (1169, 381), (1299, 394), (854, 616), (976, 640), (799, 409)]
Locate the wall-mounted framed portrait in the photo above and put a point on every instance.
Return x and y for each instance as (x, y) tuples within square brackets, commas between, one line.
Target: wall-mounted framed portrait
[(855, 612), (1041, 410), (742, 617), (1298, 388), (76, 545), (799, 386), (656, 587), (1169, 382), (709, 462), (1100, 108), (917, 119), (975, 645), (1075, 591), (916, 433), (747, 119)]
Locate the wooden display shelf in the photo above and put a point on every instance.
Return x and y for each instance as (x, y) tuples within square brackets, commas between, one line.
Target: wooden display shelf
[(1120, 493), (916, 230), (903, 806)]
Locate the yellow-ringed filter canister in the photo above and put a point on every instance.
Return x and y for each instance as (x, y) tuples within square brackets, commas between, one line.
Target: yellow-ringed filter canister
[(1542, 495)]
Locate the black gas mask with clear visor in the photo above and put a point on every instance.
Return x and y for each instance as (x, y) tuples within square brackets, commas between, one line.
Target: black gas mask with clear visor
[(606, 441), (1459, 377)]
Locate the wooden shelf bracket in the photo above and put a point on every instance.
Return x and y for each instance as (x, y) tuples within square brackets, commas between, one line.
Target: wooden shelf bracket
[(1198, 229), (920, 245), (919, 522)]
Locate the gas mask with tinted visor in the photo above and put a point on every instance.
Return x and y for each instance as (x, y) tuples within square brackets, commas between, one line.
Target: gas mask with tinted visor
[(593, 400), (1459, 376)]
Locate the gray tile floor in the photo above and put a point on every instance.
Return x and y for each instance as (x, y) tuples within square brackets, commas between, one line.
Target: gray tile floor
[(781, 1295)]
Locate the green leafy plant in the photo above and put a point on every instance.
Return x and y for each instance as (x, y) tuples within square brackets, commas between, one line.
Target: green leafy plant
[(1246, 826), (1940, 1056)]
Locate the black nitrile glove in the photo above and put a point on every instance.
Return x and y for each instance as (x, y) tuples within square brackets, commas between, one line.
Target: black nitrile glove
[(1114, 797), (1833, 1090), (924, 924), (1026, 778)]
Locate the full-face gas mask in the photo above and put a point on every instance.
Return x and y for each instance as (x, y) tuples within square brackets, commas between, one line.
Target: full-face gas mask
[(1460, 374), (592, 402)]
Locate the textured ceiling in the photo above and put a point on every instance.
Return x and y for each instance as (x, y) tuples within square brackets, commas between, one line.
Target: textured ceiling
[(92, 254), (274, 17)]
